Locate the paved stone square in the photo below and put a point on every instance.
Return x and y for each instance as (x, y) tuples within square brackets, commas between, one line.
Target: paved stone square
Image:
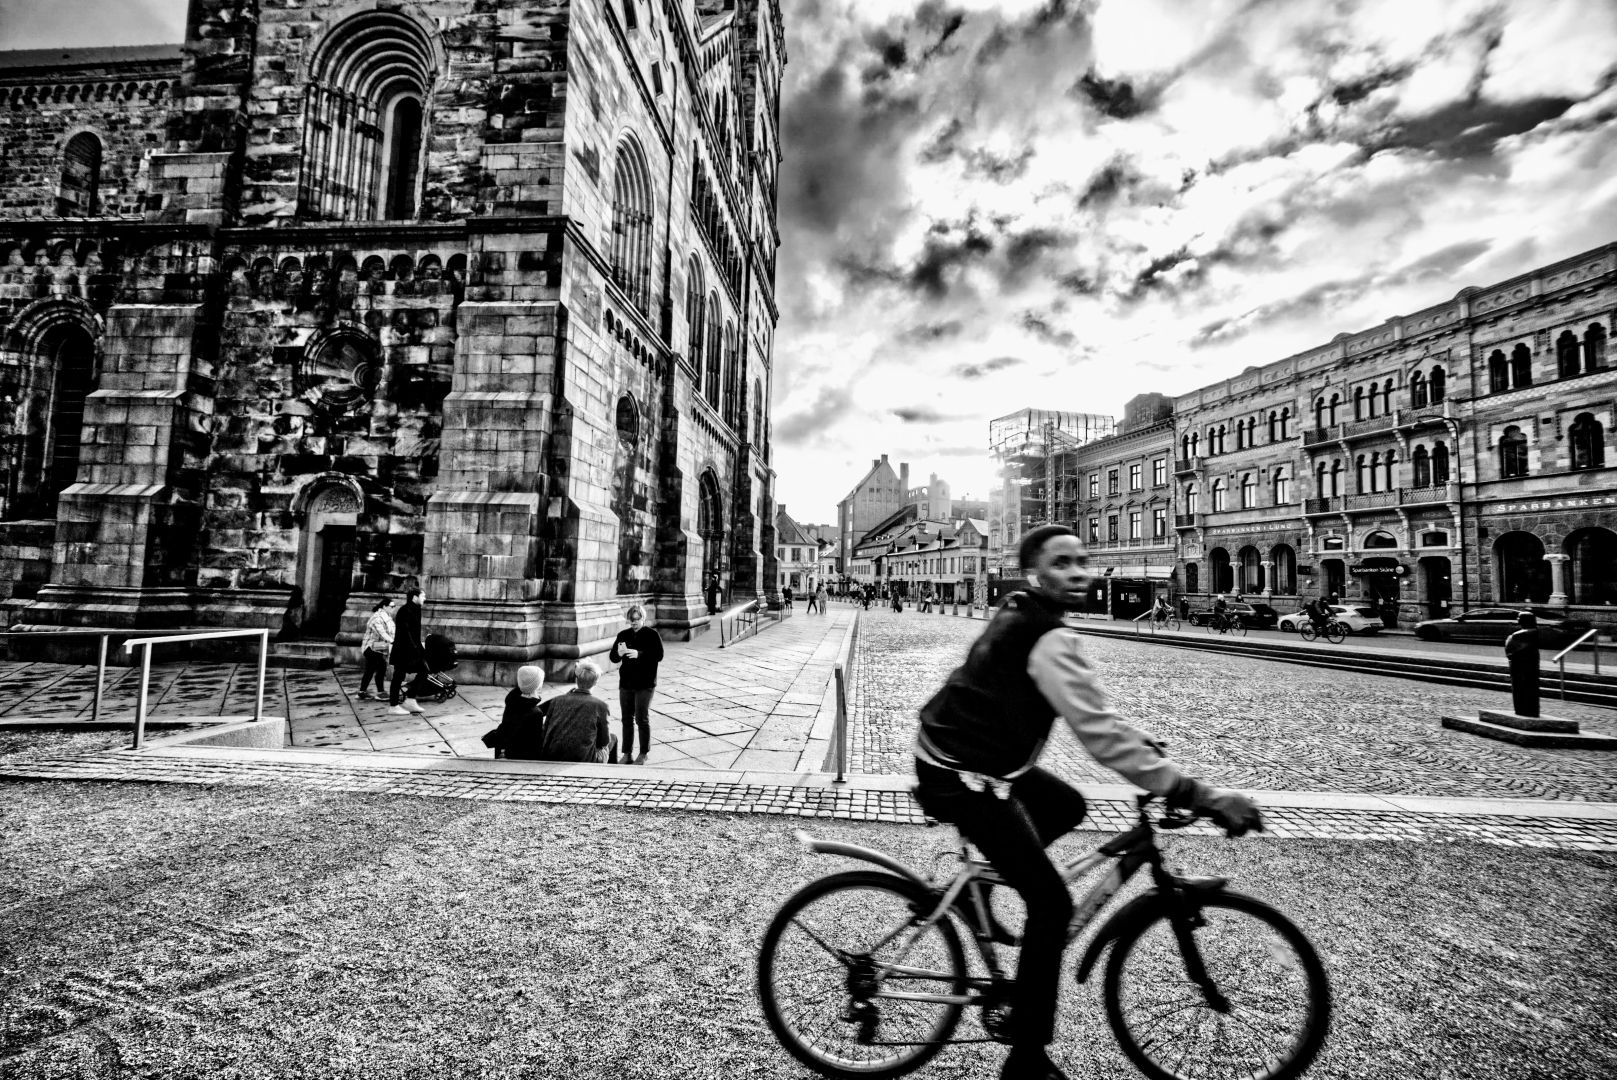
[(1241, 722)]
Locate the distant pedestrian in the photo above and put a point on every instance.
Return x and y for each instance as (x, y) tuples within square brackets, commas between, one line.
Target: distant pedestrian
[(374, 648), (823, 597), (711, 594), (578, 724), (1521, 652), (786, 596), (813, 601), (408, 656), (639, 649), (898, 601)]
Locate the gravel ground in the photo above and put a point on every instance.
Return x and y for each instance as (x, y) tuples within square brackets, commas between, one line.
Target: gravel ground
[(169, 931), (1241, 722)]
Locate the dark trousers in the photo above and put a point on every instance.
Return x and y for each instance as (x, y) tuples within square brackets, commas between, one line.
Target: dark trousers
[(1012, 835), (636, 707), (375, 668), (401, 679)]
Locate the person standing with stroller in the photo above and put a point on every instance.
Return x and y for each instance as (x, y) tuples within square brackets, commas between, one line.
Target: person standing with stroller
[(408, 656), (639, 649), (374, 648)]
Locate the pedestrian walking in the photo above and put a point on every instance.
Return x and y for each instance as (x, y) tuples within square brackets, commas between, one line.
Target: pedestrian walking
[(639, 649), (1521, 652), (374, 648), (408, 656), (711, 594), (786, 596), (823, 596)]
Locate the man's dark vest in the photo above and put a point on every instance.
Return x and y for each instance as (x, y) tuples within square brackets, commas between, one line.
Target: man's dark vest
[(990, 717)]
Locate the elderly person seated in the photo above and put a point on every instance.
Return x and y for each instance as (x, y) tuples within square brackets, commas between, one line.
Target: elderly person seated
[(522, 723), (578, 724)]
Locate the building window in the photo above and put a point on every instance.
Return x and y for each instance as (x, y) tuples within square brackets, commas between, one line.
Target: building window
[(1192, 578), (1440, 464), (631, 225), (1285, 423), (1135, 473), (1094, 530), (715, 350), (1421, 462), (80, 192), (1521, 367), (1159, 522), (695, 312), (1282, 487), (1513, 453), (1218, 496), (1594, 347), (1249, 491), (1190, 499), (1159, 472), (1438, 380), (363, 129), (1566, 355), (1111, 482), (1134, 524), (1588, 439), (1417, 391), (1359, 487), (1094, 485), (1111, 527), (1498, 372), (1358, 403)]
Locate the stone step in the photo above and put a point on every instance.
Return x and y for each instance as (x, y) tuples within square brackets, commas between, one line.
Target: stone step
[(1529, 723), (1581, 741), (309, 655)]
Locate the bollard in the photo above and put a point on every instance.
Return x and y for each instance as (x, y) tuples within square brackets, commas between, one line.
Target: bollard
[(957, 605), (842, 727)]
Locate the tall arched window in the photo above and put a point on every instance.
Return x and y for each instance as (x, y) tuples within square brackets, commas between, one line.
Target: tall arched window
[(715, 346), (1375, 470), (1322, 488), (1336, 476), (1184, 447), (1319, 412), (1513, 452), (1359, 476), (731, 384), (1439, 381), (1417, 390), (1421, 463), (1387, 462), (1566, 354), (1285, 422), (1588, 441), (1218, 496), (1594, 347), (1335, 401), (364, 118), (757, 411), (1358, 403), (1282, 486), (1440, 464), (1249, 491), (1386, 398), (1274, 425), (1498, 372), (695, 314), (1195, 442), (80, 192), (631, 225), (1191, 500), (1521, 367), (47, 415)]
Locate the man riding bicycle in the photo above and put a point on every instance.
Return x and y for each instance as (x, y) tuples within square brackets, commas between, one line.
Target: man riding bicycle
[(1319, 613), (1159, 610), (976, 765)]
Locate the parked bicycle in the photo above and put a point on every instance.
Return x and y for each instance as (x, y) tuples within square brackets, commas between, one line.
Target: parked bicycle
[(863, 973), (1224, 622), (1333, 632)]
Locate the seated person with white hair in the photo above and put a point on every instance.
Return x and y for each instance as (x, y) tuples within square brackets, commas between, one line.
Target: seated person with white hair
[(577, 724), (521, 733)]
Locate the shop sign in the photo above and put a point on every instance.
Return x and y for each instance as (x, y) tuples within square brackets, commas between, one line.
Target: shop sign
[(1390, 571), (1539, 505)]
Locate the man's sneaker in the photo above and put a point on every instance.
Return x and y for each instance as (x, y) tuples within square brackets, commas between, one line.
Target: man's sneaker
[(398, 710), (364, 695), (411, 705)]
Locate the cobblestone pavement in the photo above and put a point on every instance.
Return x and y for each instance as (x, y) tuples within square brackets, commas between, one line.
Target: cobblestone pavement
[(753, 705), (1242, 722)]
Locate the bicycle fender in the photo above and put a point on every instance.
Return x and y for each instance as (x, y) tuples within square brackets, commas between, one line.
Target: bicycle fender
[(856, 851)]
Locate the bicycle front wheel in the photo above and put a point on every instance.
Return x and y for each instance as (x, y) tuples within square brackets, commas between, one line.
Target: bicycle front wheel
[(1173, 623), (1263, 1013), (1335, 633), (844, 969), (1238, 626)]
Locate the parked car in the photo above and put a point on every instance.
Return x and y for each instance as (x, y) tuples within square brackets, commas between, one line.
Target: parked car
[(1255, 616), (1357, 620), (1495, 624)]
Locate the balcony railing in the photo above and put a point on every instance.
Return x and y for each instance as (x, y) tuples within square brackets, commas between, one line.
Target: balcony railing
[(1320, 435), (1435, 493), (1330, 505), (1423, 415), (1187, 465), (1185, 521), (1372, 500)]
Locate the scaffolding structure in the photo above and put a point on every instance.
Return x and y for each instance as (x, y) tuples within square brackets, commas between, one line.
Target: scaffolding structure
[(1032, 449)]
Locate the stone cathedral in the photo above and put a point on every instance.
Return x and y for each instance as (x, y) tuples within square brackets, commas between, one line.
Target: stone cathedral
[(352, 295)]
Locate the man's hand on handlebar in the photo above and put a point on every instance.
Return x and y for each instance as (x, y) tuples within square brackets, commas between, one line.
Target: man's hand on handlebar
[(1231, 811)]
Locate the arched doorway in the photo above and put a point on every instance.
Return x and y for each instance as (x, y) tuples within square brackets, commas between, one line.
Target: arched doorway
[(1283, 563), (1521, 576), (710, 528), (1381, 576), (1251, 580), (1221, 577), (1592, 566), (46, 428), (326, 553), (1437, 576)]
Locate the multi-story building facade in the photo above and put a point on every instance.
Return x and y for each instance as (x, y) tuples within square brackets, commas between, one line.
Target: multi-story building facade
[(878, 495), (342, 297), (1456, 456), (941, 559), (801, 557), (1026, 447)]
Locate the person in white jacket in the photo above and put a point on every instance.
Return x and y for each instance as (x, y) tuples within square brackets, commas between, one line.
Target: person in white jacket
[(375, 647)]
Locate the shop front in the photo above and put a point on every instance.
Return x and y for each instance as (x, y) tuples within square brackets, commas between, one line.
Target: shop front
[(1380, 580)]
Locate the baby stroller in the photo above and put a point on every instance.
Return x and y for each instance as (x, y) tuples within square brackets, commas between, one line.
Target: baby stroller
[(435, 684)]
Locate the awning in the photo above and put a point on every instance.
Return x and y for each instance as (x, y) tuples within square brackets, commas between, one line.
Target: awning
[(1138, 573)]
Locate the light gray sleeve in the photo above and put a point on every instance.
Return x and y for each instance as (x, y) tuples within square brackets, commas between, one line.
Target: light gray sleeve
[(1064, 676)]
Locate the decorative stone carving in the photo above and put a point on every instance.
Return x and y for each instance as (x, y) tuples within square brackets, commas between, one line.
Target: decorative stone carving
[(334, 499), (339, 374)]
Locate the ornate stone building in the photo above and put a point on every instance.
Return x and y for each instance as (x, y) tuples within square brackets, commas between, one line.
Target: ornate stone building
[(347, 295)]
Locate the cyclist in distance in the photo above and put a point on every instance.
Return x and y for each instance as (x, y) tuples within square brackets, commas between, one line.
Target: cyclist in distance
[(1159, 610), (977, 766)]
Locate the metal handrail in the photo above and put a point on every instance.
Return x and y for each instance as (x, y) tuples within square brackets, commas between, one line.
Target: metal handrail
[(101, 662), (738, 621), (1560, 657), (146, 644)]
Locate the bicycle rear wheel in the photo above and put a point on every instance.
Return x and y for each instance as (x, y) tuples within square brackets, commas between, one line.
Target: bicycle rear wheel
[(1307, 632), (1277, 999), (817, 968), (1335, 633)]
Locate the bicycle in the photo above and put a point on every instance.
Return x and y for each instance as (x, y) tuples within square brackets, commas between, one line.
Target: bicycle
[(1334, 632), (1226, 623), (862, 973), (1168, 621)]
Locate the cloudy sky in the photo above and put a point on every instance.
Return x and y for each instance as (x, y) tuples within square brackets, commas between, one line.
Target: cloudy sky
[(990, 204)]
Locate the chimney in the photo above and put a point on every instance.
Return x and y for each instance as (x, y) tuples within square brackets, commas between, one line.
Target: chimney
[(903, 475)]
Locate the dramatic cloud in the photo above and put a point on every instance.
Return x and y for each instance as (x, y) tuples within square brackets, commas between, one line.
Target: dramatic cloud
[(998, 205)]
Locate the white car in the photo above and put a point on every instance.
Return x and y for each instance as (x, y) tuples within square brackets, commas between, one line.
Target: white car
[(1358, 620)]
